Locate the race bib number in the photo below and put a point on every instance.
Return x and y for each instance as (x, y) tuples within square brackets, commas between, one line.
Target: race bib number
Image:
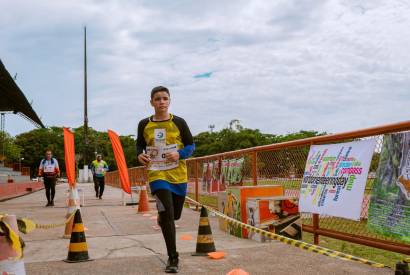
[(158, 160), (100, 170), (49, 168)]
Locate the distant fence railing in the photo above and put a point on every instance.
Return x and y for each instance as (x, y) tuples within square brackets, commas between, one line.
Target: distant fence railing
[(138, 177), (25, 171), (284, 164)]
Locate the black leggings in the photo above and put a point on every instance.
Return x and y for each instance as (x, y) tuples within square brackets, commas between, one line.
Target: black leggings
[(99, 184), (50, 186), (169, 208)]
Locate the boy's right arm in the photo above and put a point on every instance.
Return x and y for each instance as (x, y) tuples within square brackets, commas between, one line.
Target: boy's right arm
[(141, 144)]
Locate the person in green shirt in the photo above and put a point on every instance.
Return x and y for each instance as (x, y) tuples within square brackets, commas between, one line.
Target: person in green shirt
[(99, 167)]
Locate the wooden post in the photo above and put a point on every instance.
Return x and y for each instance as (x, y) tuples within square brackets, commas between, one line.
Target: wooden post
[(220, 173), (255, 168), (315, 228)]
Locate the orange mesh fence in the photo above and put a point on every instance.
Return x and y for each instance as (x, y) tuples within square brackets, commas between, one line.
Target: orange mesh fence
[(283, 164)]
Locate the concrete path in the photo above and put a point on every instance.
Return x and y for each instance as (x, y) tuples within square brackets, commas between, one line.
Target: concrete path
[(123, 242)]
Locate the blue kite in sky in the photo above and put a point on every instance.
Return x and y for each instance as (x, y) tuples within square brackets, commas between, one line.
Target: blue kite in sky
[(204, 75)]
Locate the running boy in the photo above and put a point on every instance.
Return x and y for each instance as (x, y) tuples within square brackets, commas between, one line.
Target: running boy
[(167, 142)]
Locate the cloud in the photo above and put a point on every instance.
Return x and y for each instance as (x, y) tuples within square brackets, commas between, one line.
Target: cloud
[(281, 66)]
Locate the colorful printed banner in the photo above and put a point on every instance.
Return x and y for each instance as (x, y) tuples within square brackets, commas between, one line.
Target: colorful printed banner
[(389, 212), (69, 156), (211, 177), (217, 175), (335, 178), (231, 171), (120, 159)]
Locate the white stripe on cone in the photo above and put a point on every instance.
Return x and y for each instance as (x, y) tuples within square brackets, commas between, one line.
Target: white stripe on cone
[(74, 198), (12, 267)]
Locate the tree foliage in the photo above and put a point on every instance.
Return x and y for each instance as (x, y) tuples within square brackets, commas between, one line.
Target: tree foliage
[(33, 144), (238, 137), (11, 149)]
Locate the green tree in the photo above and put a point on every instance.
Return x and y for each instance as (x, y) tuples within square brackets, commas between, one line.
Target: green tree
[(35, 142), (12, 151), (99, 143), (237, 137), (33, 145)]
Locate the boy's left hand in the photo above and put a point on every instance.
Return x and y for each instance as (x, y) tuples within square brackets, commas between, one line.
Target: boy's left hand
[(172, 156)]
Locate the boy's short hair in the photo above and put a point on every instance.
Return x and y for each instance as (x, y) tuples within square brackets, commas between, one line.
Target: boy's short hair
[(159, 89)]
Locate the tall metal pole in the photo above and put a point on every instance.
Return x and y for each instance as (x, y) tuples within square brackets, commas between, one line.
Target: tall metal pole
[(85, 99)]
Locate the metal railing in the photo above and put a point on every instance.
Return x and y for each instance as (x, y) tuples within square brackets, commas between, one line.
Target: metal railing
[(284, 164)]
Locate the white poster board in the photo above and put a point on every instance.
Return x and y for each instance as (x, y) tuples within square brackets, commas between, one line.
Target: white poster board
[(335, 178)]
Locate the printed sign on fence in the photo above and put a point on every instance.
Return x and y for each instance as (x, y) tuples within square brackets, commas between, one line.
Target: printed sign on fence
[(389, 212), (217, 175), (231, 171), (211, 177), (335, 178)]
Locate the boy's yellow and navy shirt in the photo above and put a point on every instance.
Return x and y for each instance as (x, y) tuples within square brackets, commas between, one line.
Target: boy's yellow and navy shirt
[(176, 132)]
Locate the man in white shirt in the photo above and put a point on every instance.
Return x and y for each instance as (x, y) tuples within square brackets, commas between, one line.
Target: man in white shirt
[(49, 170)]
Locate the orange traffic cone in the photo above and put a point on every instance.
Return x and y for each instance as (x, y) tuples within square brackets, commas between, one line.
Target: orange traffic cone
[(73, 204), (143, 203), (237, 271), (78, 249), (205, 241), (11, 260)]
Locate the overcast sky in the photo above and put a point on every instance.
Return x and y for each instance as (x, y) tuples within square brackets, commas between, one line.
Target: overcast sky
[(279, 66)]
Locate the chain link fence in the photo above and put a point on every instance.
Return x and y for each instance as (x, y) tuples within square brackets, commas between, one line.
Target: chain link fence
[(283, 164)]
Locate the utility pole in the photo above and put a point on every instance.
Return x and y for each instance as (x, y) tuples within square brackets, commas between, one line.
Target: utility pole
[(85, 100), (211, 127)]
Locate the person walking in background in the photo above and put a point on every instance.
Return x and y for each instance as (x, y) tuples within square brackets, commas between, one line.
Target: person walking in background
[(49, 170), (99, 167)]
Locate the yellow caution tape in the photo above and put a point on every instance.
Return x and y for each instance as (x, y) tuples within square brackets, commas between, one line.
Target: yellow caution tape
[(26, 225), (295, 243), (54, 225), (16, 243)]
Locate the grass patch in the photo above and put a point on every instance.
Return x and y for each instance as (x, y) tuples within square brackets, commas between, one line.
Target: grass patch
[(211, 201), (378, 255)]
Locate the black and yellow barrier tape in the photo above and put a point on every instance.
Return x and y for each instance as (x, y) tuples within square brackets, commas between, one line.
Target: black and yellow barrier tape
[(15, 241), (26, 225), (295, 243)]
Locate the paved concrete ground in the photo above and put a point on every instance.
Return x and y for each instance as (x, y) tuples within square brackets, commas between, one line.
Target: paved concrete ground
[(123, 242)]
